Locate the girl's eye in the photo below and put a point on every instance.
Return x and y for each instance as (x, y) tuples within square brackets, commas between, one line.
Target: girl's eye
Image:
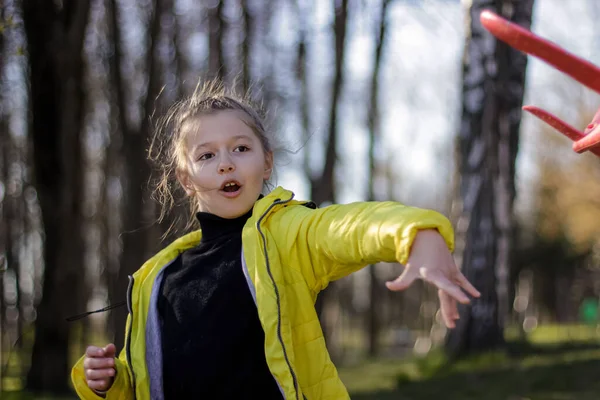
[(242, 148), (205, 157)]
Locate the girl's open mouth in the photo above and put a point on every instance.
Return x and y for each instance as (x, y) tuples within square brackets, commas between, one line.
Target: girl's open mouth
[(231, 189)]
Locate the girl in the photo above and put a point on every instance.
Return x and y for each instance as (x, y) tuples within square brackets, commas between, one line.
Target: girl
[(227, 311)]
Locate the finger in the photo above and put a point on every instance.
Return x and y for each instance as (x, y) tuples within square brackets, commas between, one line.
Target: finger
[(402, 282), (451, 305), (99, 374), (455, 314), (93, 351), (465, 284), (100, 384), (98, 363), (445, 308), (110, 350), (451, 289), (448, 307)]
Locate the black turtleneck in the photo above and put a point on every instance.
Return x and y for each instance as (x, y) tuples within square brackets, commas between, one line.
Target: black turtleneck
[(212, 340)]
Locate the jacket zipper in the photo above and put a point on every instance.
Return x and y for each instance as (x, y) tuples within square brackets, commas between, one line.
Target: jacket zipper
[(276, 202), (128, 339)]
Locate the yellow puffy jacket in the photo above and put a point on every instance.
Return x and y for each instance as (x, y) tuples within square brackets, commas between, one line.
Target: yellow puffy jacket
[(290, 252)]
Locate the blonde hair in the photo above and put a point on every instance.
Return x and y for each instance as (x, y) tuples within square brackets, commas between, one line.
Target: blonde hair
[(168, 150)]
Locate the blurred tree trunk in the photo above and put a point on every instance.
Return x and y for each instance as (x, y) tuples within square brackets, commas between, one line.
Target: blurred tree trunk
[(13, 212), (216, 43), (301, 77), (4, 234), (374, 134), (323, 187), (108, 216), (6, 147), (120, 122), (301, 67), (248, 36), (513, 67), (493, 86), (5, 225), (180, 61), (136, 170), (55, 36), (174, 222), (17, 219)]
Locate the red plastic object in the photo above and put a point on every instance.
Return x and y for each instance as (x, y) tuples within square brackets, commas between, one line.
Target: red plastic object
[(578, 68)]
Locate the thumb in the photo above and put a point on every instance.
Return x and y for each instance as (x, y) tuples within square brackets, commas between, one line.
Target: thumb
[(402, 282), (110, 351)]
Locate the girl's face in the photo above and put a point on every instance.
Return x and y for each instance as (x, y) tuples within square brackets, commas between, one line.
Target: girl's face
[(226, 164)]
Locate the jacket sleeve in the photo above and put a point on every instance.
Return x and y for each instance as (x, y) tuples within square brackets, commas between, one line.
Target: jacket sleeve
[(121, 388), (334, 241)]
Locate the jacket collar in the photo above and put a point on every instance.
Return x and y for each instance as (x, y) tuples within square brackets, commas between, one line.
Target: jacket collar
[(193, 238)]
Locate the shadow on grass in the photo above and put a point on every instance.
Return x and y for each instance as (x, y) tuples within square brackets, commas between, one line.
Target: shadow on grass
[(28, 396), (535, 379), (524, 348), (525, 371)]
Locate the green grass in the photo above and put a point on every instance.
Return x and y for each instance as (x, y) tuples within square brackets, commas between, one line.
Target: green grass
[(23, 396), (558, 363), (18, 364)]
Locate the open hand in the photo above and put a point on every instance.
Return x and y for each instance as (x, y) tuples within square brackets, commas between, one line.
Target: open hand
[(431, 261)]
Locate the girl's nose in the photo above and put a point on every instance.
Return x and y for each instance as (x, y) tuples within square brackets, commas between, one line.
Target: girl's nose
[(226, 165), (228, 168)]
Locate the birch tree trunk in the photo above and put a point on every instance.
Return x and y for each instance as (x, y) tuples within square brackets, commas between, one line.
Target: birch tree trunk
[(487, 145)]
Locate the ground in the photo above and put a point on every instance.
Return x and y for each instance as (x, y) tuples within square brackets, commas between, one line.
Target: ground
[(557, 363)]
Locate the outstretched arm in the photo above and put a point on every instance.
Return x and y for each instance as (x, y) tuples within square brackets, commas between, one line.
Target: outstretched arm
[(334, 241)]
